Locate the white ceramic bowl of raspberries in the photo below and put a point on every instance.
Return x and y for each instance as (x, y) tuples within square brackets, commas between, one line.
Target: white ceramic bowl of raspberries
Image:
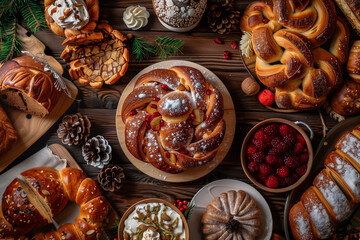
[(277, 155)]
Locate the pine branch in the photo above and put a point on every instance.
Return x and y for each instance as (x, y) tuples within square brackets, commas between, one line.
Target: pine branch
[(33, 15), (9, 44), (140, 49), (8, 7), (166, 46)]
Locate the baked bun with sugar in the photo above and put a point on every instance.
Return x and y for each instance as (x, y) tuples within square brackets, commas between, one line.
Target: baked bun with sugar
[(174, 119), (32, 203), (334, 194)]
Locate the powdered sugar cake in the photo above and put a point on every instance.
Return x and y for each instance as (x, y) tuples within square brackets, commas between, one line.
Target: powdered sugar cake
[(174, 106)]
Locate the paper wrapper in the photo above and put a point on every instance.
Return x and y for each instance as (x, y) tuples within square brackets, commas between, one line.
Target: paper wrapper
[(43, 158)]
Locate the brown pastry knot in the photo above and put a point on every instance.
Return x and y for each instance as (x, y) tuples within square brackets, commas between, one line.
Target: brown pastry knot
[(174, 119), (286, 37), (43, 193)]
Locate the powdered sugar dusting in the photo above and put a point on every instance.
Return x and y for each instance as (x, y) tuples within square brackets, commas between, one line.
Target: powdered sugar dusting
[(351, 146), (303, 226)]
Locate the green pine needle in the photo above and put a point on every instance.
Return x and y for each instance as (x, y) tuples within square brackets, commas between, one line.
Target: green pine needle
[(166, 46), (33, 15), (140, 49), (9, 43)]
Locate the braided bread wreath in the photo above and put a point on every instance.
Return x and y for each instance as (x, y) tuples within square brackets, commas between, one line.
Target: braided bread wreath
[(288, 38), (30, 204), (171, 121)]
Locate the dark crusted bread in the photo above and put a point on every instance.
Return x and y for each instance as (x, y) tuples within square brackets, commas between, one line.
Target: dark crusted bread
[(351, 9)]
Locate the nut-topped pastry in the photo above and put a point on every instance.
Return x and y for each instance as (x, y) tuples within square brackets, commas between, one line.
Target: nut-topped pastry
[(71, 17), (288, 38), (174, 119)]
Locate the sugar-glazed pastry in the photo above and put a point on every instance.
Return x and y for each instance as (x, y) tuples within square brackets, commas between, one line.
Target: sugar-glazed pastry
[(334, 194), (232, 215), (287, 38), (67, 18), (174, 119)]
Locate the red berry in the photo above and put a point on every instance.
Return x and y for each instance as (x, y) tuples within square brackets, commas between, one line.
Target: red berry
[(253, 167), (251, 149), (180, 204), (292, 162), (148, 118), (290, 139), (162, 123), (304, 157), (178, 201), (167, 154), (272, 181), (190, 121), (261, 177), (185, 202), (271, 130), (227, 57), (192, 116), (153, 106), (234, 45), (275, 141), (163, 86), (301, 170), (226, 53), (265, 20), (283, 171), (218, 41), (266, 97), (156, 99), (183, 151), (260, 145), (175, 204), (271, 159), (258, 157), (208, 92), (300, 139), (185, 207), (259, 135), (181, 209), (133, 112), (299, 148), (279, 149), (290, 180), (155, 114), (265, 169), (285, 129)]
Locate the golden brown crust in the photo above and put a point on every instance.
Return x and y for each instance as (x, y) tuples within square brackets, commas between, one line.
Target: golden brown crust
[(29, 78), (297, 216), (351, 10), (88, 190), (346, 101), (8, 134), (93, 10), (353, 64), (72, 178), (174, 119)]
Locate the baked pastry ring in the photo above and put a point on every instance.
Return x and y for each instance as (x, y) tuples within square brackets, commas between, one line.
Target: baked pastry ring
[(92, 7), (174, 119)]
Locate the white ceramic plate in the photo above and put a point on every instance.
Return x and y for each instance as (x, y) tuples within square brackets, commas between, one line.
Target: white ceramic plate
[(206, 194)]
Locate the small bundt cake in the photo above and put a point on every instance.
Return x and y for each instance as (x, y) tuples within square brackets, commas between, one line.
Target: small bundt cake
[(232, 215)]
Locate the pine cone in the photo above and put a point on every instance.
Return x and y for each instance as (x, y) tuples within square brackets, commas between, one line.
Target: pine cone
[(222, 18), (74, 129), (111, 177), (97, 151)]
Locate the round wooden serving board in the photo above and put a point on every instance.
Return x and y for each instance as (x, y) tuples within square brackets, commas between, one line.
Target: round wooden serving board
[(194, 173)]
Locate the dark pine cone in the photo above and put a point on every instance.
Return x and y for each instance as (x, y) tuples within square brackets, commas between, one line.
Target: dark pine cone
[(97, 151), (222, 18), (111, 177), (74, 129)]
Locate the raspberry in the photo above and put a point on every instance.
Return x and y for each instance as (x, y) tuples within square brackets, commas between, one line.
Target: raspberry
[(271, 159), (271, 130), (260, 145), (272, 181), (290, 139), (266, 97), (259, 135), (283, 171), (275, 141), (253, 167), (301, 170), (290, 180), (284, 129), (282, 182), (300, 139), (265, 169), (299, 148), (258, 157), (251, 149), (292, 162), (261, 177), (279, 149), (304, 157)]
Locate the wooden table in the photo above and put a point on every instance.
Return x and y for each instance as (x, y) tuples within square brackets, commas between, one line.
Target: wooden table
[(100, 106)]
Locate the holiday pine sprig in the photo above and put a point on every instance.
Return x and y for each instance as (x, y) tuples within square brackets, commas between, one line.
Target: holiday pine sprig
[(162, 47), (9, 11)]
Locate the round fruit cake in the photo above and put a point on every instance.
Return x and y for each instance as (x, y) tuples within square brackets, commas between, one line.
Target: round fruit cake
[(277, 155)]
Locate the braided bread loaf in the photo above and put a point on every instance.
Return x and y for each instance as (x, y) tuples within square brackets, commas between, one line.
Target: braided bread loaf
[(73, 15), (45, 192), (26, 85), (174, 119), (286, 38), (334, 194)]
